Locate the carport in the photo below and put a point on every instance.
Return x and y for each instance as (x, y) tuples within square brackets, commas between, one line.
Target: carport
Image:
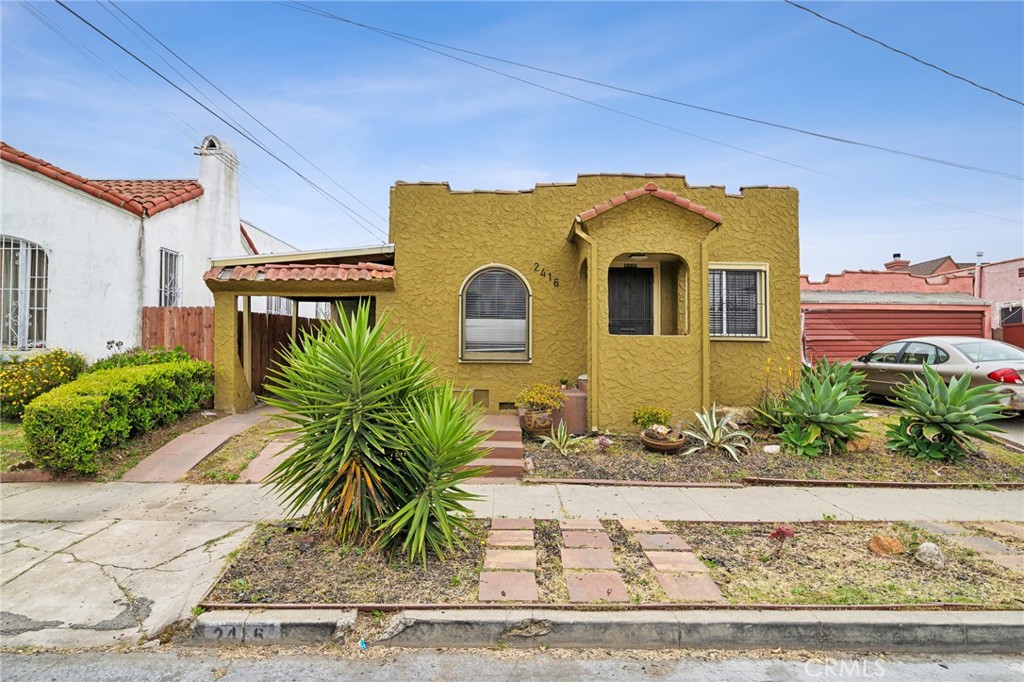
[(341, 278)]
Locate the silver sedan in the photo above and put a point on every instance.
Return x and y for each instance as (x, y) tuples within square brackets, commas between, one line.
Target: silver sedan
[(987, 361)]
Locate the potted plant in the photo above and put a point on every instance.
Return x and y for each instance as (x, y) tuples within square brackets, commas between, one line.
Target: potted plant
[(653, 432), (564, 383), (536, 406)]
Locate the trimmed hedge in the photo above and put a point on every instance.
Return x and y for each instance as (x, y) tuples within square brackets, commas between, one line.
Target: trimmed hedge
[(67, 427), (141, 356), (21, 381)]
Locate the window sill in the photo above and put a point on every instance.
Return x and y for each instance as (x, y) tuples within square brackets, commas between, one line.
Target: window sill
[(761, 339), (495, 361)]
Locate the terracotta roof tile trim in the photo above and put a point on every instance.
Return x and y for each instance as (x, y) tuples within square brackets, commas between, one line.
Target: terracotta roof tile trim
[(144, 198), (649, 189), (301, 272)]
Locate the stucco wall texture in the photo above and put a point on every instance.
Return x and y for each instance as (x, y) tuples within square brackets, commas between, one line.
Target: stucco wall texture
[(441, 237)]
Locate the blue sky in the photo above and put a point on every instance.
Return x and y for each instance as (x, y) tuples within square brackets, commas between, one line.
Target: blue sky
[(371, 110)]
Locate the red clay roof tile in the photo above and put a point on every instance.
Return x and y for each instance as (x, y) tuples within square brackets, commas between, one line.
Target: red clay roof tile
[(142, 197), (649, 189), (293, 272)]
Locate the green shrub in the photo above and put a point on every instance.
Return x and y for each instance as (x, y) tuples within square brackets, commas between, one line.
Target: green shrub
[(714, 432), (66, 428), (769, 413), (541, 398), (134, 357), (649, 415), (378, 443), (839, 374), (21, 382), (821, 414), (938, 420)]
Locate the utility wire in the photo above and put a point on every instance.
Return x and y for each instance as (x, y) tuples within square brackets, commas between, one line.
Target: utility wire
[(315, 11), (903, 53), (357, 218), (243, 109), (617, 88)]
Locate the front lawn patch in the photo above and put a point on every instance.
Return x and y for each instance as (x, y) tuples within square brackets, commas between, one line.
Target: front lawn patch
[(626, 459), (12, 444), (824, 564)]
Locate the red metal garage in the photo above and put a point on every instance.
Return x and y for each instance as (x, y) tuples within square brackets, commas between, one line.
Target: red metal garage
[(842, 325)]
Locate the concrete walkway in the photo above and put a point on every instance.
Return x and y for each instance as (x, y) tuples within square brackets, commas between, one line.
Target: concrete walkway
[(89, 564)]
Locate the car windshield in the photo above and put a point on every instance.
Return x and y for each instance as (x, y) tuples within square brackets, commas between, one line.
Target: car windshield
[(985, 351)]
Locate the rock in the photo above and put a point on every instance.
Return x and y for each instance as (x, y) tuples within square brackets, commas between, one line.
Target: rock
[(858, 445), (930, 555), (884, 546), (772, 449), (151, 644)]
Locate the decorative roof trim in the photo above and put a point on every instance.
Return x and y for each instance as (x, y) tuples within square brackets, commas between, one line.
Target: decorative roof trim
[(650, 189), (295, 272)]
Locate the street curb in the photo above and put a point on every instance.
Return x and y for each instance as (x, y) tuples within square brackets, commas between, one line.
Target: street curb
[(258, 627), (974, 632)]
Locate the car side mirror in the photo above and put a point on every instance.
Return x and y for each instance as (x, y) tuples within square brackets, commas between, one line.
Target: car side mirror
[(864, 358)]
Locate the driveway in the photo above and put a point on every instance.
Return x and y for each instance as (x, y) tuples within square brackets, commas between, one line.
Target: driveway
[(1014, 429)]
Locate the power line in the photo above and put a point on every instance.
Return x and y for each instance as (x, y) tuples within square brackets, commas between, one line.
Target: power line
[(361, 222), (903, 53), (243, 109), (617, 88), (641, 119)]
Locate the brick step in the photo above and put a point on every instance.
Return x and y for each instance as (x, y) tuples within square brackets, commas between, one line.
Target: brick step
[(504, 426), (499, 467), (502, 449)]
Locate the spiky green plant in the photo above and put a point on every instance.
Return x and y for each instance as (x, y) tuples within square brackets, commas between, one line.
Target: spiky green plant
[(937, 421), (714, 432), (769, 412), (829, 406), (347, 391), (838, 373), (561, 440), (441, 442), (801, 439)]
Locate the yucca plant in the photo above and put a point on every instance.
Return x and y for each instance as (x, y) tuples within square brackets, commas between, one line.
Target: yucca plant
[(714, 432), (825, 410), (561, 440), (441, 441), (938, 420), (347, 391)]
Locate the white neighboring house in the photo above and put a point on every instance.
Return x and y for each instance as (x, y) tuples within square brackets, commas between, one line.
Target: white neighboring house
[(81, 258)]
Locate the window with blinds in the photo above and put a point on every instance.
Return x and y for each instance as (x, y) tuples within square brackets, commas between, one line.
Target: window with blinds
[(736, 302), (495, 316)]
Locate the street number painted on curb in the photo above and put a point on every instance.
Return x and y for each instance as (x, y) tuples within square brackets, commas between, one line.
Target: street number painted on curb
[(250, 632)]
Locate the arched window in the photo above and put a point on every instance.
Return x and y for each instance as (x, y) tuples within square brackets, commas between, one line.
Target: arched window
[(23, 292), (495, 316)]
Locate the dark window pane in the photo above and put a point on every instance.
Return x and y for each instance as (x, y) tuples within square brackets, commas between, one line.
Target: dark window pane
[(631, 301), (495, 313)]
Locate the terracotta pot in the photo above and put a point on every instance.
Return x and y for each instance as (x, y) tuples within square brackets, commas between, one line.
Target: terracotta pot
[(537, 423), (668, 447)]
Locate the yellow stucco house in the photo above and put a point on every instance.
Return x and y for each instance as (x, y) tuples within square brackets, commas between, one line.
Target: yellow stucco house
[(661, 293)]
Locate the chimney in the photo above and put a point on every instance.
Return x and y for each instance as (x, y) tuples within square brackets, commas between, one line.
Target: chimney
[(215, 231), (897, 263)]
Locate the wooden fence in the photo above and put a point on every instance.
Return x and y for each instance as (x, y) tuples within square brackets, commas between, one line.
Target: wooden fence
[(192, 328)]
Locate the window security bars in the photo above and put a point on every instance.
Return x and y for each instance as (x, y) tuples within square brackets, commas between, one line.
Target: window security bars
[(170, 278), (23, 294), (737, 303)]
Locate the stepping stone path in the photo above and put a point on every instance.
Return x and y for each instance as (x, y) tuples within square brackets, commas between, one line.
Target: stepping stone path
[(986, 548), (591, 574), (510, 563)]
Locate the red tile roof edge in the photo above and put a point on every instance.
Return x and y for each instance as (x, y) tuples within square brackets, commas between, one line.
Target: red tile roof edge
[(248, 239), (301, 272), (145, 208), (649, 189)]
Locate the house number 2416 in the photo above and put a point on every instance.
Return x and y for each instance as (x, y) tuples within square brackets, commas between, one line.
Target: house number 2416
[(545, 273)]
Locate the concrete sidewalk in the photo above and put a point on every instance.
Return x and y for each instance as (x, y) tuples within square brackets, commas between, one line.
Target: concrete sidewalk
[(89, 564)]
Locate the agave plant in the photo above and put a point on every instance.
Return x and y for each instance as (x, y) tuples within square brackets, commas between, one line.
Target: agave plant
[(442, 441), (561, 440), (938, 420), (823, 409), (769, 412), (839, 374), (347, 391), (714, 432)]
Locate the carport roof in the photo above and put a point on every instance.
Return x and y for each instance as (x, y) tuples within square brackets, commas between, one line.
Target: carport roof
[(301, 272)]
